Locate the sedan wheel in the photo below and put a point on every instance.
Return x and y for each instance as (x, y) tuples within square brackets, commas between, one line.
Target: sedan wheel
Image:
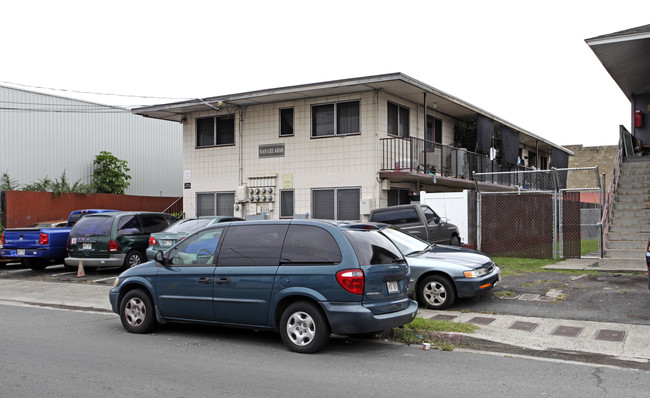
[(303, 328), (436, 292)]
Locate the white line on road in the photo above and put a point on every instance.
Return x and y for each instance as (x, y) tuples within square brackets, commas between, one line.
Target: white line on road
[(104, 279), (65, 273)]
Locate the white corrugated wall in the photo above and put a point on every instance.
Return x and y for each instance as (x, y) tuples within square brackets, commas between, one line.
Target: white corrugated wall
[(43, 135)]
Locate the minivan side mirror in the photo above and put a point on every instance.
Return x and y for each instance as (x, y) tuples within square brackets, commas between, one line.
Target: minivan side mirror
[(159, 257)]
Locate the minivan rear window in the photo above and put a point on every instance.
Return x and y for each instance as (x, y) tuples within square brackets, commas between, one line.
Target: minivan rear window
[(372, 247), (310, 244), (92, 226)]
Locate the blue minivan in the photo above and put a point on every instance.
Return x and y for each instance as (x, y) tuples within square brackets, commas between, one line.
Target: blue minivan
[(303, 278)]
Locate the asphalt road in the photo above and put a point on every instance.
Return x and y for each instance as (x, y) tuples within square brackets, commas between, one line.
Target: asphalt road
[(61, 353)]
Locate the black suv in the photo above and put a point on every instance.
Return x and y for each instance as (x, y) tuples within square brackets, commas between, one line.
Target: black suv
[(114, 239)]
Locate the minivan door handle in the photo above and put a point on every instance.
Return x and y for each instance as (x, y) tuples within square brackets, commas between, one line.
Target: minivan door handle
[(205, 281), (223, 281)]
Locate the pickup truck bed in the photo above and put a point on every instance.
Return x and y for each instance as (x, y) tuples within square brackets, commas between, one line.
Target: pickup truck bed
[(36, 247)]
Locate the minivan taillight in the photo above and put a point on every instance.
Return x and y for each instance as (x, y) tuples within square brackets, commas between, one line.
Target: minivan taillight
[(351, 280), (113, 246), (152, 241), (43, 239)]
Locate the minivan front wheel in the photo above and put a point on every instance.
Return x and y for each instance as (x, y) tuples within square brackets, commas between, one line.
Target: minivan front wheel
[(132, 259), (137, 312), (303, 328)]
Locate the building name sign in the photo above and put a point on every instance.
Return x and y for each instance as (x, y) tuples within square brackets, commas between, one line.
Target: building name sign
[(271, 150)]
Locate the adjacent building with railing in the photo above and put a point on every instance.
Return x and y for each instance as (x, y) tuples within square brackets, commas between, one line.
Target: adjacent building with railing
[(338, 149)]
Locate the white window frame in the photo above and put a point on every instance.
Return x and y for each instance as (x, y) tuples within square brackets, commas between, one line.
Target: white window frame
[(335, 117), (336, 192)]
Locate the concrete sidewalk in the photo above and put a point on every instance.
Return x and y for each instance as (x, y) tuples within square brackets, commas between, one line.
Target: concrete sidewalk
[(625, 342), (595, 264), (84, 296)]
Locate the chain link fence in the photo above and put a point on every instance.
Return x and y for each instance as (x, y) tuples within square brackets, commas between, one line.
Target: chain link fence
[(540, 213)]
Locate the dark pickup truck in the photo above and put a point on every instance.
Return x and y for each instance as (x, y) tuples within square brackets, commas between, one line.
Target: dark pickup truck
[(39, 247), (419, 220)]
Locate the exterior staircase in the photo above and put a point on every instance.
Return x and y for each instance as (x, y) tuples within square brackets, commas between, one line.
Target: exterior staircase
[(629, 229)]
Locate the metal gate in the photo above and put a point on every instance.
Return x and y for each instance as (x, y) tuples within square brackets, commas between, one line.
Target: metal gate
[(540, 213)]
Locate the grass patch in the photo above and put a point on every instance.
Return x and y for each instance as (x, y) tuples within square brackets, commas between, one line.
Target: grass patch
[(588, 246), (516, 265), (504, 293), (519, 266), (436, 325), (431, 331)]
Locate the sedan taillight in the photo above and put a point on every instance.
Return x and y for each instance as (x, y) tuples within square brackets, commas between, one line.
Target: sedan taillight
[(152, 241), (351, 280)]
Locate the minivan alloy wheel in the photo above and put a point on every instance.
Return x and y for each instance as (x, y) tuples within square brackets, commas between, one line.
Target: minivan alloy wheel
[(304, 328), (301, 328), (135, 312), (132, 259)]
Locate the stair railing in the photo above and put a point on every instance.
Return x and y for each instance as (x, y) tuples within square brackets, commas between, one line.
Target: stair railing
[(611, 192)]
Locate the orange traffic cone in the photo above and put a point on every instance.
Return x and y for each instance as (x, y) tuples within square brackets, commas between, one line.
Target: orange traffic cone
[(80, 270)]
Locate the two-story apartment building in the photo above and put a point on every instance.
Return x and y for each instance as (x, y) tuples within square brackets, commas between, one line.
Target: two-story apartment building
[(337, 149)]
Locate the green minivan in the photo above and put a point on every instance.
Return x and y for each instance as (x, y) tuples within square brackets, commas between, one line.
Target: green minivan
[(114, 239)]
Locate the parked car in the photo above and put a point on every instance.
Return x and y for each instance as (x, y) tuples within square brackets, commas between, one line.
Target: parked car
[(303, 278), (43, 243), (114, 239), (442, 273), (180, 229), (419, 220)]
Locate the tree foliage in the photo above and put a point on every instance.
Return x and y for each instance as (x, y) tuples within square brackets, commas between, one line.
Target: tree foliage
[(58, 186), (110, 174), (7, 183)]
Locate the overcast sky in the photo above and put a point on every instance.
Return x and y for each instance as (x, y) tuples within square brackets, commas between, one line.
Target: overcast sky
[(524, 61)]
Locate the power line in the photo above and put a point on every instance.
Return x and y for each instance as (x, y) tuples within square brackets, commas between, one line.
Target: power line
[(94, 93)]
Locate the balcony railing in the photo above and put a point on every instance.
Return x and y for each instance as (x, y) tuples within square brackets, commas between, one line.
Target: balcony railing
[(418, 155)]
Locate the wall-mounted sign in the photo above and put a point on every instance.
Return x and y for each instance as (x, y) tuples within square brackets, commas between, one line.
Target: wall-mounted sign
[(287, 181), (187, 185), (271, 150)]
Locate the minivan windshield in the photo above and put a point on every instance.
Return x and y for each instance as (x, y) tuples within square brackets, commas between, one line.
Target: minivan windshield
[(92, 226), (406, 243)]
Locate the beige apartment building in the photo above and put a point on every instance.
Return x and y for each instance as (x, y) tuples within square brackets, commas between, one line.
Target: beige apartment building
[(338, 149)]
